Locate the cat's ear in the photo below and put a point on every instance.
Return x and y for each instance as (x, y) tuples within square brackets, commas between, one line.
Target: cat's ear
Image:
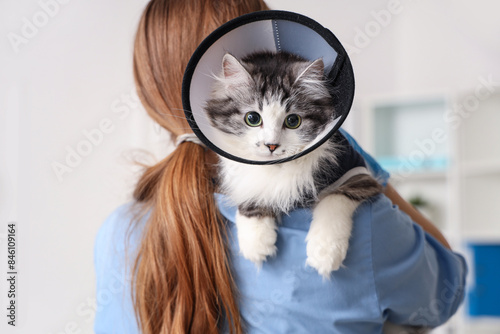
[(313, 71), (233, 71)]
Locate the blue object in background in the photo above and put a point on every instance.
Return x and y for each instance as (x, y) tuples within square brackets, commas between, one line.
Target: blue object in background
[(484, 298), (403, 164)]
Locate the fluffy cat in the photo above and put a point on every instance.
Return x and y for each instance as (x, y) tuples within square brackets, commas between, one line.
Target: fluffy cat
[(269, 106)]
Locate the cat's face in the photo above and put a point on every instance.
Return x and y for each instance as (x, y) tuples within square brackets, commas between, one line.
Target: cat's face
[(270, 106)]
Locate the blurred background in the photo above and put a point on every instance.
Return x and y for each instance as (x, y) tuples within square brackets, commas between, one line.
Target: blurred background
[(427, 106)]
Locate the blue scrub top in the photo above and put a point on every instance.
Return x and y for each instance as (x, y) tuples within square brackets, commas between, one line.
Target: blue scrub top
[(394, 271)]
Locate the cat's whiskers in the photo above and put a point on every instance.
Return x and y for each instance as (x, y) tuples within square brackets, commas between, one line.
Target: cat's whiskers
[(172, 115), (206, 120), (212, 75), (201, 116)]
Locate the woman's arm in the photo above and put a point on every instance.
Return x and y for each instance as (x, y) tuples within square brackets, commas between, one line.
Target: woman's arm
[(415, 215), (419, 282), (383, 177), (115, 313)]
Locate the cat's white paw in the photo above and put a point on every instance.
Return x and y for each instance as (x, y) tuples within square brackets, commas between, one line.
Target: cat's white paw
[(257, 237), (328, 236), (326, 254)]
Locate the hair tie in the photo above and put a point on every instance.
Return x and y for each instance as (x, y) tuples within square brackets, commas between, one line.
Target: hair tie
[(191, 137)]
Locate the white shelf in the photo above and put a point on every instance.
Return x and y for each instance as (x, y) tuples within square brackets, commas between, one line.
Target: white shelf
[(481, 236), (483, 325), (422, 176), (481, 167)]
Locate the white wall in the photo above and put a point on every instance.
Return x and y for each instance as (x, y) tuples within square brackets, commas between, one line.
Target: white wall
[(423, 47), (71, 75), (75, 72)]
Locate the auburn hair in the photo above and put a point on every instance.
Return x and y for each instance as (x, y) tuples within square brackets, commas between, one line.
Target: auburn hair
[(182, 280)]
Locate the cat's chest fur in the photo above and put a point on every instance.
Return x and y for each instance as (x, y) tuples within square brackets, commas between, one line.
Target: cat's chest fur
[(280, 186)]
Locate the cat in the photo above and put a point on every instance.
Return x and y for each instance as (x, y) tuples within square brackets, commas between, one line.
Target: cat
[(270, 106)]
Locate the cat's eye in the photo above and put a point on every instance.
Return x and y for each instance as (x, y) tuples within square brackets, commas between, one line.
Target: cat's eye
[(293, 121), (253, 119)]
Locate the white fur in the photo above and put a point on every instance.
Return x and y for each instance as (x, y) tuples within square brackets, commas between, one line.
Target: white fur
[(279, 185), (273, 114), (252, 144), (257, 237), (233, 72), (271, 132), (328, 236), (314, 71), (313, 80)]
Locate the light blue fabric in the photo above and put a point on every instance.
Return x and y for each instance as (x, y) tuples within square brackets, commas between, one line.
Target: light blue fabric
[(393, 271), (115, 312)]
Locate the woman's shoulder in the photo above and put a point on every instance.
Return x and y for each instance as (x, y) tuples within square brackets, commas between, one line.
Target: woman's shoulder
[(121, 227), (117, 219), (117, 240), (115, 248)]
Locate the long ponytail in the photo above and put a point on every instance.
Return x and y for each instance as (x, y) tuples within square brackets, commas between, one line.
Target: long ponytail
[(182, 281), (182, 263)]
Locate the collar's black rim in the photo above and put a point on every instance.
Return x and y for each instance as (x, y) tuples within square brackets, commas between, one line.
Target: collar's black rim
[(341, 76)]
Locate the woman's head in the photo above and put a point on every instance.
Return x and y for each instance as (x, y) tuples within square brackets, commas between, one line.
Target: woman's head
[(182, 279), (168, 34)]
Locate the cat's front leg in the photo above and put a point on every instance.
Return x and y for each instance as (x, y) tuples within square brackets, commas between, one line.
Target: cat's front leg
[(257, 233), (328, 236)]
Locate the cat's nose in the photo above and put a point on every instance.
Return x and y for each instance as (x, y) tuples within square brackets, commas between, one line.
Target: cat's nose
[(272, 147)]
